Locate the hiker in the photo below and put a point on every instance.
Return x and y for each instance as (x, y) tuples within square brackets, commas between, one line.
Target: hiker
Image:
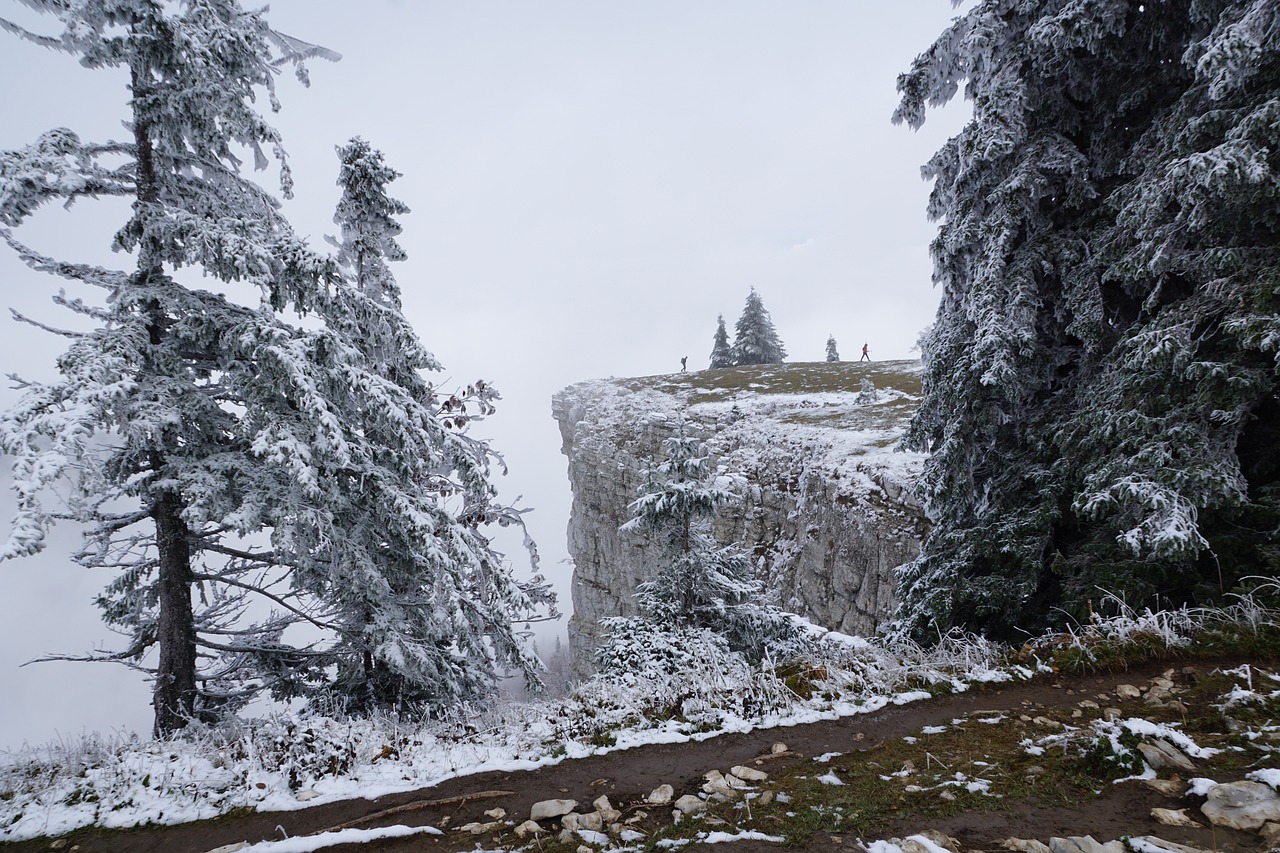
[(683, 362), (865, 357)]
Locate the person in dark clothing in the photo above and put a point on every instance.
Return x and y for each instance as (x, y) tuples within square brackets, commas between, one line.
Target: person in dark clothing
[(865, 351)]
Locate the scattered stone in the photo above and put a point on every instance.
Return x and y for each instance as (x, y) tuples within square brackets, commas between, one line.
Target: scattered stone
[(660, 795), (689, 804), (1085, 844), (765, 798), (1077, 714), (547, 809), (58, 844), (1174, 787), (1112, 714), (1171, 846), (529, 827), (1047, 723), (1161, 754), (575, 821), (1128, 691), (476, 828), (496, 814), (1241, 805), (306, 794), (1035, 770), (946, 795), (1088, 703), (638, 816), (1270, 833), (749, 774), (1174, 817), (226, 848), (605, 809), (1025, 845), (934, 837), (779, 748)]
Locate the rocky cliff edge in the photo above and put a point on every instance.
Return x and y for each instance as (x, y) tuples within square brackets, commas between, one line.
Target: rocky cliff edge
[(826, 498)]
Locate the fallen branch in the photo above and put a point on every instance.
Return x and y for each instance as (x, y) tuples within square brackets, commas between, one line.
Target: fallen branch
[(417, 806)]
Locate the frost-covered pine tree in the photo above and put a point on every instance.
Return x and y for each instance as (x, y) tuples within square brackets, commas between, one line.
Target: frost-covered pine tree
[(721, 352), (166, 433), (832, 353), (700, 584), (393, 533), (1100, 383), (755, 341), (220, 455)]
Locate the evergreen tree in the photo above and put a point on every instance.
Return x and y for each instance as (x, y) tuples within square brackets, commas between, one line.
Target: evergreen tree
[(721, 353), (393, 535), (186, 425), (700, 584), (755, 341), (1100, 384), (832, 353)]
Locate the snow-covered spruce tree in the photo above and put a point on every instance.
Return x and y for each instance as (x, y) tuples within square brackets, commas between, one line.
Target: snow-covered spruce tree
[(755, 341), (699, 584), (1100, 383), (188, 425), (165, 412), (721, 352), (832, 353), (392, 536)]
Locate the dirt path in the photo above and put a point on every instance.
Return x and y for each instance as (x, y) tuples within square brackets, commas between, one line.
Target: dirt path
[(627, 776)]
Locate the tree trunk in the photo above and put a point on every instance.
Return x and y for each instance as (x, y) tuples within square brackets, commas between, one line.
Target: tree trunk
[(175, 689)]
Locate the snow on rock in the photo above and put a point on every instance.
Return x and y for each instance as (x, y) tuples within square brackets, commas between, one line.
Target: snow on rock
[(825, 498)]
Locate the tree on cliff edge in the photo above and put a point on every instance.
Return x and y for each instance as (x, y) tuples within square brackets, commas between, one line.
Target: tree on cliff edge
[(832, 353), (1101, 381), (721, 352), (755, 341)]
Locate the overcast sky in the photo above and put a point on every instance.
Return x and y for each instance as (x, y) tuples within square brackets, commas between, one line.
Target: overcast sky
[(591, 183)]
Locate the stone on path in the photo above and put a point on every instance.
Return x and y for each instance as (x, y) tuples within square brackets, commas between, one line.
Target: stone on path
[(749, 774), (1241, 805), (1161, 754), (1171, 846), (1024, 845), (689, 804), (1174, 817), (660, 795), (547, 809), (1085, 844)]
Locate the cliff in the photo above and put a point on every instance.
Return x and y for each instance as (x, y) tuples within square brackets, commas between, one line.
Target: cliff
[(826, 501)]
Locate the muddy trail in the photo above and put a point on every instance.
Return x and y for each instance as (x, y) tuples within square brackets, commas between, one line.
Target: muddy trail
[(627, 777)]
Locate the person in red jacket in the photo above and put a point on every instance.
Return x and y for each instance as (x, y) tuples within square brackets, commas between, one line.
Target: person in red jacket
[(865, 356)]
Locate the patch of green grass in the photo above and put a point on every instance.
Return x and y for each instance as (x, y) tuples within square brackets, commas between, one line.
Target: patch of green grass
[(812, 377)]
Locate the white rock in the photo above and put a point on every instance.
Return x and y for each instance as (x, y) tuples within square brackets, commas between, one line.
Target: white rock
[(306, 794), (765, 798), (476, 828), (749, 774), (547, 809), (1085, 844), (1127, 691), (1168, 787), (689, 804), (1171, 846), (1174, 817), (660, 795), (605, 809), (496, 814), (529, 827), (779, 748), (1024, 845), (1241, 805), (575, 821), (1161, 754)]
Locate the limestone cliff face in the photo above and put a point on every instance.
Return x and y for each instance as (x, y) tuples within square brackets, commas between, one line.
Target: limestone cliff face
[(826, 501)]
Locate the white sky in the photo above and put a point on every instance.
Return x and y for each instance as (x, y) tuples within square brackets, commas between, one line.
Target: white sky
[(591, 183)]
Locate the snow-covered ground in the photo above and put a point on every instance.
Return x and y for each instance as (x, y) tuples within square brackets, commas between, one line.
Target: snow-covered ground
[(289, 762)]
